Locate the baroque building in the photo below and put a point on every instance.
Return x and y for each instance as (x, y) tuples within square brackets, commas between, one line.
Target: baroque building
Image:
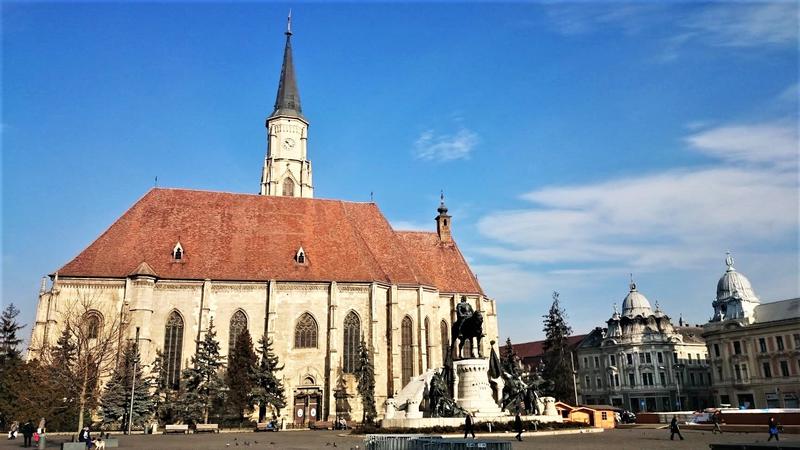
[(316, 276), (754, 347), (642, 362)]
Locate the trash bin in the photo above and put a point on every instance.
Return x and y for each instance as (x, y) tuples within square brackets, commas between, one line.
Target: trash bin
[(42, 441)]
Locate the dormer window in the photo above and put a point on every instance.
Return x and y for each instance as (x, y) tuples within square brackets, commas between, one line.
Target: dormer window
[(177, 252), (300, 256)]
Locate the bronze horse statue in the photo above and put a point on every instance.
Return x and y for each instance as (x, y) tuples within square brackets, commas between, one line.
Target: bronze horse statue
[(471, 327)]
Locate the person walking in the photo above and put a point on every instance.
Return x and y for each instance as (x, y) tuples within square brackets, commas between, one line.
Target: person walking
[(674, 429), (468, 428), (27, 433), (716, 419), (518, 426), (773, 429), (12, 432)]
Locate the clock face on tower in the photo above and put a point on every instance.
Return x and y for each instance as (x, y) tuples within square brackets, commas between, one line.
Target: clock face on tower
[(288, 144)]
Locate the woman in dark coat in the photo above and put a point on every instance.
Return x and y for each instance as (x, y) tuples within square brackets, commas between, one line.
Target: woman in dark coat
[(674, 429), (468, 429), (27, 433), (518, 426)]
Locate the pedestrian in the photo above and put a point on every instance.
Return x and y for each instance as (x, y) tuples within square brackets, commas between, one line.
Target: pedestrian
[(674, 429), (518, 426), (773, 429), (27, 433), (468, 429), (12, 432), (716, 419)]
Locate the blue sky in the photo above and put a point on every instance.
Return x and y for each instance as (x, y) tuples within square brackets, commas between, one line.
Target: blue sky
[(575, 143)]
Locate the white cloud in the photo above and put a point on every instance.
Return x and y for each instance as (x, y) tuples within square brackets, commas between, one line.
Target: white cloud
[(767, 143), (722, 24), (431, 146), (675, 218)]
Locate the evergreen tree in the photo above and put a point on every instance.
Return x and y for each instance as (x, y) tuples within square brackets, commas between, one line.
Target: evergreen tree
[(268, 391), (9, 341), (557, 368), (509, 359), (163, 394), (116, 400), (204, 388), (241, 376), (365, 375)]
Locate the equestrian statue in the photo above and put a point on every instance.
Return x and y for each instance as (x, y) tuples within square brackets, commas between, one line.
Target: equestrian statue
[(468, 326)]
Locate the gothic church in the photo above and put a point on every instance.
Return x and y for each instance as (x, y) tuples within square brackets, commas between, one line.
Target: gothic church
[(315, 275)]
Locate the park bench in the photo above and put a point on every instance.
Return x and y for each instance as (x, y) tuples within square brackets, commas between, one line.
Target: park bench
[(266, 426), (177, 428), (206, 428)]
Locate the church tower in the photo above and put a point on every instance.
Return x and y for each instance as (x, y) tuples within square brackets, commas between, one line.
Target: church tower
[(287, 170)]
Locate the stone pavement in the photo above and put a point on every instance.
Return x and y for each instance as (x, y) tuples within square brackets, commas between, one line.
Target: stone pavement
[(313, 440)]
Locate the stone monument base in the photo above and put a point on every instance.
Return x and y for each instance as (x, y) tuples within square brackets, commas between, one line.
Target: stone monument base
[(473, 392), (428, 422)]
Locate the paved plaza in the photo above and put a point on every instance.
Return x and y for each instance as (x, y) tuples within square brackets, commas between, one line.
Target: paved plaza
[(306, 440)]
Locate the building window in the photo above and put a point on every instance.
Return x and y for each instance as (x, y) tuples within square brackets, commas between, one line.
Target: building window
[(697, 358), (305, 332), (630, 359), (648, 358), (612, 359), (663, 378), (779, 341), (428, 347), (599, 383), (660, 357), (173, 346), (596, 362), (738, 372), (647, 379), (690, 357), (691, 378), (300, 256), (603, 415), (767, 370), (641, 358), (407, 351), (288, 187), (719, 373), (675, 357), (632, 379), (92, 322), (445, 340), (744, 372), (796, 337), (784, 368), (586, 362), (588, 382), (237, 326), (177, 252), (737, 348), (352, 339), (716, 350), (616, 379), (762, 345)]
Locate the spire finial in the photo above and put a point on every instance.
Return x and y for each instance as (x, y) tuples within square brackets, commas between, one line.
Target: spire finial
[(633, 284), (729, 261), (442, 208), (289, 23), (615, 308)]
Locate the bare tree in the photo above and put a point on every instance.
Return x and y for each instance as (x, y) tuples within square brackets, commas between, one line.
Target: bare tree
[(94, 329)]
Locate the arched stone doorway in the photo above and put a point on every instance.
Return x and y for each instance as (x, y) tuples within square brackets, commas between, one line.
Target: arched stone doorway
[(307, 403)]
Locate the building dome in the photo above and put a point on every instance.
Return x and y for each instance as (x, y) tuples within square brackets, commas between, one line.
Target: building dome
[(734, 285), (635, 304)]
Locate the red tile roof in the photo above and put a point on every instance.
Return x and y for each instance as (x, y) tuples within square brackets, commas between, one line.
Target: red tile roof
[(442, 263), (531, 352), (253, 237)]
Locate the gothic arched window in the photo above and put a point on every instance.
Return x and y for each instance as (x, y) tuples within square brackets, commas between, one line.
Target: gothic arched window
[(305, 332), (238, 324), (288, 187), (92, 322), (173, 346), (406, 350), (352, 337), (445, 340), (428, 347)]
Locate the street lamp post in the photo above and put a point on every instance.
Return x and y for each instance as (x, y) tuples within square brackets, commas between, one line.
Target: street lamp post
[(678, 371)]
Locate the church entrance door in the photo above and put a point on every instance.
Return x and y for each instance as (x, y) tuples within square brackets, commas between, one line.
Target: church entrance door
[(307, 407)]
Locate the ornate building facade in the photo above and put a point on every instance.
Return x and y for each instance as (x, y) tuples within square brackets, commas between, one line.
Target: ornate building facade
[(316, 276), (643, 362), (754, 347)]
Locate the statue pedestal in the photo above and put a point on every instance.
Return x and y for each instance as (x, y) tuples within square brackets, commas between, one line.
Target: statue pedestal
[(474, 392)]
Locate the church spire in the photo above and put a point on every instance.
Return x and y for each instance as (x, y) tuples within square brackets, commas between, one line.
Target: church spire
[(287, 101)]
